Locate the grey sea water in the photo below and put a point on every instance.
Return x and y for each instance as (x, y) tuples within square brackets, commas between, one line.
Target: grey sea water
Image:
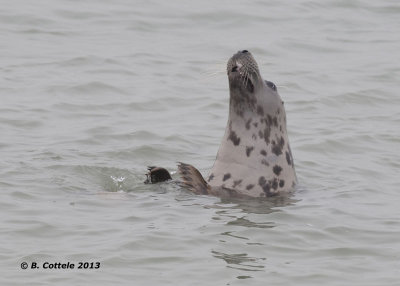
[(92, 92)]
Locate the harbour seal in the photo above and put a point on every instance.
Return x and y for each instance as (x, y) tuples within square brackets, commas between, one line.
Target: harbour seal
[(254, 158)]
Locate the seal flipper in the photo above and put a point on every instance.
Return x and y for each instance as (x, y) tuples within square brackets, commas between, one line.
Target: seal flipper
[(194, 181), (157, 175)]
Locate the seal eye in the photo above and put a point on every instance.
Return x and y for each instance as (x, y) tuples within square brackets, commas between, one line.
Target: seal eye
[(234, 69), (271, 84), (245, 51)]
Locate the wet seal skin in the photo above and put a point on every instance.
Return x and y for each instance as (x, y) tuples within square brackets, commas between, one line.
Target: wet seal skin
[(156, 175)]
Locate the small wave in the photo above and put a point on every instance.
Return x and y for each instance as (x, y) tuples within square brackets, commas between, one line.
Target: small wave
[(91, 88), (21, 123), (88, 60), (34, 31)]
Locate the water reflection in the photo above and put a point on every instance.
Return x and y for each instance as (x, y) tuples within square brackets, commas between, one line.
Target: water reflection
[(240, 261), (247, 223), (260, 205), (246, 226)]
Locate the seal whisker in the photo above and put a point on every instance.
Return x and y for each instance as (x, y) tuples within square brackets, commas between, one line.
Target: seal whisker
[(248, 78), (245, 77), (242, 77), (218, 69), (209, 75), (212, 73)]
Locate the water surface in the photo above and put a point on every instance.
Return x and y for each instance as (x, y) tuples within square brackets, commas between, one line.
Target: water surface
[(93, 92)]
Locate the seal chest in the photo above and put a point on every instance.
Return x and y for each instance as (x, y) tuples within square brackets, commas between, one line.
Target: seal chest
[(254, 158)]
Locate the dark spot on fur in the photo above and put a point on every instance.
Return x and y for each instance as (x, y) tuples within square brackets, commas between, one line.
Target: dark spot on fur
[(288, 159), (260, 110), (248, 150), (269, 119), (255, 124), (281, 183), (279, 111), (226, 177), (277, 147), (263, 152), (264, 162), (277, 169), (260, 133), (248, 124), (233, 137), (280, 128), (275, 121), (265, 186), (276, 150), (249, 187), (236, 183), (274, 183), (211, 177)]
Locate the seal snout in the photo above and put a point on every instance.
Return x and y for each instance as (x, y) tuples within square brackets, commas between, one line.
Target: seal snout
[(242, 62), (243, 71)]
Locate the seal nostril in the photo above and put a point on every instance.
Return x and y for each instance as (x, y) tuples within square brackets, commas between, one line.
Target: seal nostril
[(245, 51)]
